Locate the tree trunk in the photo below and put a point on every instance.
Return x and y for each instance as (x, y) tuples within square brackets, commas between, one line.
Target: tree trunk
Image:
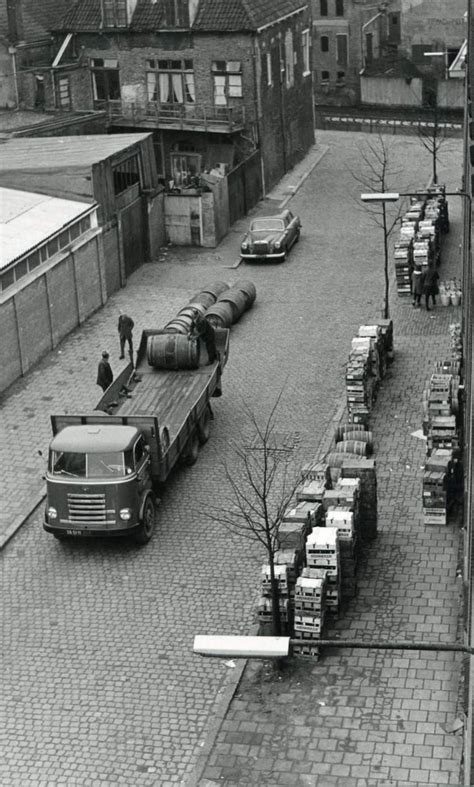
[(276, 620)]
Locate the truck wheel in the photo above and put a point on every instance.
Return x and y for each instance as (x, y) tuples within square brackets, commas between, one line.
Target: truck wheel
[(147, 526), (204, 426), (192, 452)]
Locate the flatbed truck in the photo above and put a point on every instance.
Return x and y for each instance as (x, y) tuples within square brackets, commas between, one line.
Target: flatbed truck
[(106, 468)]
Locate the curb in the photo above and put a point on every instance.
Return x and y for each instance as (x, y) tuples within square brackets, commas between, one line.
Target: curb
[(303, 177), (17, 523)]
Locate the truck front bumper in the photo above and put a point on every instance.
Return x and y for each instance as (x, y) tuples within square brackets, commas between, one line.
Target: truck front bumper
[(91, 532)]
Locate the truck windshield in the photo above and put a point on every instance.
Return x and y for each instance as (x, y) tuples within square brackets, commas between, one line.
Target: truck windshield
[(97, 465)]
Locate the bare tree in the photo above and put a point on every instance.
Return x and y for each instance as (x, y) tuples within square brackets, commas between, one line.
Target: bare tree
[(432, 132), (375, 176), (260, 485)]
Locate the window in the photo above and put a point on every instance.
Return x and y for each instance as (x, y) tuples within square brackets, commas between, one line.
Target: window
[(227, 78), (268, 64), (341, 78), (114, 13), (175, 13), (105, 79), (417, 53), (341, 50), (323, 7), (64, 93), (369, 48), (324, 43), (185, 167), (324, 77), (126, 174), (289, 59), (339, 7), (171, 81), (305, 44)]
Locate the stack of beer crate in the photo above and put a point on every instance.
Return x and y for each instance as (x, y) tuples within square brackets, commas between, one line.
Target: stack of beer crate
[(342, 513), (265, 605), (359, 383), (403, 258), (323, 551), (379, 358), (435, 501), (296, 524), (310, 609), (456, 341), (365, 471)]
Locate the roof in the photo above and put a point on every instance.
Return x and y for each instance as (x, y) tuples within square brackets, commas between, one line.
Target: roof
[(27, 219), (212, 15), (94, 438), (392, 65), (59, 165)]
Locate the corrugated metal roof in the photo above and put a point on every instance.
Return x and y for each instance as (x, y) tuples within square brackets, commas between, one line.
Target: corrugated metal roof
[(57, 153), (28, 219)]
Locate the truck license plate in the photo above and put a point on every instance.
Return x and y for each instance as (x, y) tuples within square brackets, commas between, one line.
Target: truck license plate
[(74, 532)]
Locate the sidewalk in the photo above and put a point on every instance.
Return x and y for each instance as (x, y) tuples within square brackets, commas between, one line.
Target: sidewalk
[(369, 718)]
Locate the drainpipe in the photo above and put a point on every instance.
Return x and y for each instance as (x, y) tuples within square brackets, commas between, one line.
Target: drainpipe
[(12, 51), (256, 56)]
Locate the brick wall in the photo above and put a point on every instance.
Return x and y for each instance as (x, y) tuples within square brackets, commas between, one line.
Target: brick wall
[(35, 317)]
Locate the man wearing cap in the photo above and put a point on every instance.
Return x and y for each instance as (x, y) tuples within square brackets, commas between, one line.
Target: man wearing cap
[(202, 329), (104, 372), (125, 328)]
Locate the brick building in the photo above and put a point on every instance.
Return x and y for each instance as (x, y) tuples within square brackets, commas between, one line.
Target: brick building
[(217, 83), (26, 46)]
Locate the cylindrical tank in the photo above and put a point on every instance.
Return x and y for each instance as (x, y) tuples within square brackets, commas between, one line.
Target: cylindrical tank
[(172, 351)]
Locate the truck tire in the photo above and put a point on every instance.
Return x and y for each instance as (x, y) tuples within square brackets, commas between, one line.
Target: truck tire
[(204, 426), (147, 525), (192, 451)]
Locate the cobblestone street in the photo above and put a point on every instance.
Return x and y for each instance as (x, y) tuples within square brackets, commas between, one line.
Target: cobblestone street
[(100, 684)]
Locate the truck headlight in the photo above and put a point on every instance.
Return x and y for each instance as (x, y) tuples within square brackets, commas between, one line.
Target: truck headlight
[(52, 513), (125, 513)]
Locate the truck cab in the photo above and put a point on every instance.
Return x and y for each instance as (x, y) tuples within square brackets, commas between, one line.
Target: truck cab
[(99, 483)]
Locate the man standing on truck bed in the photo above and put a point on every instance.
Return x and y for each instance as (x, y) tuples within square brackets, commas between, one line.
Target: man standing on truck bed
[(202, 329), (125, 328), (105, 374)]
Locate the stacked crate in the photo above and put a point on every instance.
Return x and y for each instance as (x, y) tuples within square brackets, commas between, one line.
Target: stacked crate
[(342, 512), (365, 471), (403, 258), (323, 551), (317, 471), (435, 501), (264, 610), (310, 608), (359, 383), (379, 360), (456, 341), (293, 559)]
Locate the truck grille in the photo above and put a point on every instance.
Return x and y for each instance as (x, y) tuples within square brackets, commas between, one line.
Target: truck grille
[(86, 508)]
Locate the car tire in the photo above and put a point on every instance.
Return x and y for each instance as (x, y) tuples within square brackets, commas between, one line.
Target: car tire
[(147, 525)]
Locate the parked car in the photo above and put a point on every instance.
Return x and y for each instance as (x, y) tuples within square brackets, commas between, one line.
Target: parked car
[(271, 237)]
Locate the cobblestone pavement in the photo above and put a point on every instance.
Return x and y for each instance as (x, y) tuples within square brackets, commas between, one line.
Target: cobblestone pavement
[(99, 682)]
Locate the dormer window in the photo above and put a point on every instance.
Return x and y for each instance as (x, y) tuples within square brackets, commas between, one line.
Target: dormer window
[(114, 13)]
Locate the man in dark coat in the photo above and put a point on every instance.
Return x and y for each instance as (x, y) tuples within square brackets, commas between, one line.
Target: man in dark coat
[(202, 329), (430, 286), (125, 328), (104, 372)]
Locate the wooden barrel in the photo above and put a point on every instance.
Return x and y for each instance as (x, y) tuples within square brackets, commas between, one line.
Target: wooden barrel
[(220, 315), (341, 430), (237, 301), (180, 324), (249, 290), (352, 447), (204, 299), (337, 458), (215, 289), (172, 351), (192, 310), (361, 437)]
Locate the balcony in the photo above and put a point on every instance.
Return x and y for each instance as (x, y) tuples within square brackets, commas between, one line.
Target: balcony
[(183, 117)]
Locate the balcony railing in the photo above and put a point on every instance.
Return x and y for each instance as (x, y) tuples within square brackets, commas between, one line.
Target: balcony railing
[(197, 117)]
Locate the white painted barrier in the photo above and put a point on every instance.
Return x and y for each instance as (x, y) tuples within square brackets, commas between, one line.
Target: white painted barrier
[(241, 647)]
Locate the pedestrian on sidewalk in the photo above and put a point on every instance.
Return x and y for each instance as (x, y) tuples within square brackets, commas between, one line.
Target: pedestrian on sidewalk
[(417, 286), (202, 329), (430, 286), (125, 328), (105, 374)]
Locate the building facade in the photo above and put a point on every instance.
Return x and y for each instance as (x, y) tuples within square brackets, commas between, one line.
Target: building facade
[(214, 82)]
